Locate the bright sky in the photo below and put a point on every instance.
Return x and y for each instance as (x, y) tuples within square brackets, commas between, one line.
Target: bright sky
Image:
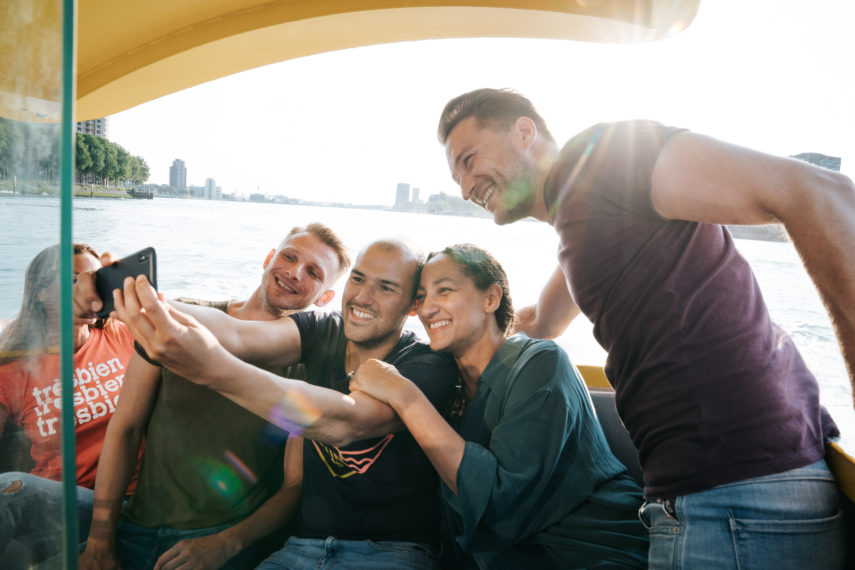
[(775, 75)]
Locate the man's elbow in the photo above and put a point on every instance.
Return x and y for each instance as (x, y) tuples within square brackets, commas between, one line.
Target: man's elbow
[(338, 434), (344, 433)]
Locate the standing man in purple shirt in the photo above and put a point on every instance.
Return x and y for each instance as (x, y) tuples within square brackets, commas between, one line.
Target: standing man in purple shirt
[(719, 403)]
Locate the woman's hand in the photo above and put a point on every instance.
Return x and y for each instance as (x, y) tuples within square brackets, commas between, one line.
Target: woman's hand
[(380, 380)]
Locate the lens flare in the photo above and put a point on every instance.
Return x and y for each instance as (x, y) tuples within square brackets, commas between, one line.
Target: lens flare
[(223, 480), (294, 414), (240, 467), (676, 28)]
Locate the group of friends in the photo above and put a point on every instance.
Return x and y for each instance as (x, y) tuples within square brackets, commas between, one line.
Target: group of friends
[(359, 446)]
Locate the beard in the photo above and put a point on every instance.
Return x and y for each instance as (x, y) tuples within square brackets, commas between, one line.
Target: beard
[(518, 196)]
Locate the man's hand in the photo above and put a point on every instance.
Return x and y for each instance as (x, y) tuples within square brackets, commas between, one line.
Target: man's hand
[(524, 320), (552, 314), (202, 553), (380, 380), (176, 340), (98, 558), (85, 298)]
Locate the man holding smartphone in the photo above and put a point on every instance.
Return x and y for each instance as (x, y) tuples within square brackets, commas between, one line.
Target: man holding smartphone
[(207, 492), (368, 492)]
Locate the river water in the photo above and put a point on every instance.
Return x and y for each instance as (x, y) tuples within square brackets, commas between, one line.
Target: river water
[(215, 249)]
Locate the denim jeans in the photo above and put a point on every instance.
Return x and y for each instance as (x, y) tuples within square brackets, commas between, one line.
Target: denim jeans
[(31, 517), (781, 521), (139, 547), (328, 553)]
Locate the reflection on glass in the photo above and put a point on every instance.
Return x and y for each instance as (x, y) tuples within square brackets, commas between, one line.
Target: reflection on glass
[(30, 52)]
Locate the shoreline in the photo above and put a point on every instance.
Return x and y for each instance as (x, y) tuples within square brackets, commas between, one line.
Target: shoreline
[(766, 232)]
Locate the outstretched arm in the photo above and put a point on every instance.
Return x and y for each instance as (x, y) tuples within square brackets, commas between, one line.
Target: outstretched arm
[(552, 314), (268, 343), (183, 345), (214, 551), (119, 460), (701, 179)]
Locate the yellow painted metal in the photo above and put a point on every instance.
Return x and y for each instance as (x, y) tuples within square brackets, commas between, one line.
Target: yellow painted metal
[(594, 377), (132, 52), (842, 464)]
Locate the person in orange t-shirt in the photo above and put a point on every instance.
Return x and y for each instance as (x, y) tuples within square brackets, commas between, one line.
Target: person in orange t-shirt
[(30, 392)]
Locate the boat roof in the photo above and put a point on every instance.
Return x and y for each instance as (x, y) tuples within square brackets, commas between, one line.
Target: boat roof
[(132, 52)]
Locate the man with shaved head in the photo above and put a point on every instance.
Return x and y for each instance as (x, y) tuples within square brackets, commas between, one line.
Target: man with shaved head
[(369, 494)]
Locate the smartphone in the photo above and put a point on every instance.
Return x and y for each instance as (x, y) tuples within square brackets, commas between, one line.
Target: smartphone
[(143, 262)]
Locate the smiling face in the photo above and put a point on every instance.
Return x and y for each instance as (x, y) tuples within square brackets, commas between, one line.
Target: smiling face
[(298, 273), (493, 168), (455, 313), (378, 295)]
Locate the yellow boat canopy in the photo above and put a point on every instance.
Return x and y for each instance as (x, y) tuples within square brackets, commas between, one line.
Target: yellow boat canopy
[(132, 52)]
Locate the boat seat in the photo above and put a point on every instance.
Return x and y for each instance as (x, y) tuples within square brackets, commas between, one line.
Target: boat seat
[(616, 434)]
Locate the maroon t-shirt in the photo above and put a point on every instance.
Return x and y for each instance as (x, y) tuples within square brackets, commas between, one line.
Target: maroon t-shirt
[(709, 388)]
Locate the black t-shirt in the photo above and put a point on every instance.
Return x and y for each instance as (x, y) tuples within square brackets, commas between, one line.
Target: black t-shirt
[(381, 488)]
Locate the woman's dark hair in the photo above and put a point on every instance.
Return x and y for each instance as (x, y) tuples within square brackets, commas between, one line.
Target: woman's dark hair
[(484, 270), (29, 330)]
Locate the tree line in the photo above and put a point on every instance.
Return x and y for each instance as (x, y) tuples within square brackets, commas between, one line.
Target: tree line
[(29, 152)]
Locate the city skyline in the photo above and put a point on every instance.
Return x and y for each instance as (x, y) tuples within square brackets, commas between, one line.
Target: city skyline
[(347, 126)]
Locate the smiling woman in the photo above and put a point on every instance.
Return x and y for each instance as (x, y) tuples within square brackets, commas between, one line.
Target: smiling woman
[(734, 72), (30, 407), (559, 501)]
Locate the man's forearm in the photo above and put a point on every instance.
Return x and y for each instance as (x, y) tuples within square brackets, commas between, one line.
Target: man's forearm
[(116, 468), (822, 228), (299, 407), (269, 517), (552, 314), (224, 327)]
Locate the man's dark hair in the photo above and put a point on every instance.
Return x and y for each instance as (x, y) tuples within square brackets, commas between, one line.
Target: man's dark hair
[(480, 266), (491, 107)]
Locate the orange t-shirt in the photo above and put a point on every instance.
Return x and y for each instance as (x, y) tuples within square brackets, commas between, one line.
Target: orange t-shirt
[(30, 390)]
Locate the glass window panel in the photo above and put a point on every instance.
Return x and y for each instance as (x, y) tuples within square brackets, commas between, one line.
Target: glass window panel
[(30, 410)]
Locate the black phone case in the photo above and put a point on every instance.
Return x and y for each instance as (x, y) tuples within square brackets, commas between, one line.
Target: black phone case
[(143, 262)]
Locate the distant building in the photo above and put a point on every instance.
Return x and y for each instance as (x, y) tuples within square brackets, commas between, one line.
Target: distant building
[(829, 162), (212, 192), (178, 175), (402, 196), (415, 195), (97, 127)]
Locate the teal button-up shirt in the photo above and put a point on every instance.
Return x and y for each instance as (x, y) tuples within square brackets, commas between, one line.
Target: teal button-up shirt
[(538, 483)]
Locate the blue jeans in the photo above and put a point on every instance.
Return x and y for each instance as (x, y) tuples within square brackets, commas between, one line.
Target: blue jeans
[(328, 553), (781, 521), (139, 547), (31, 517)]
